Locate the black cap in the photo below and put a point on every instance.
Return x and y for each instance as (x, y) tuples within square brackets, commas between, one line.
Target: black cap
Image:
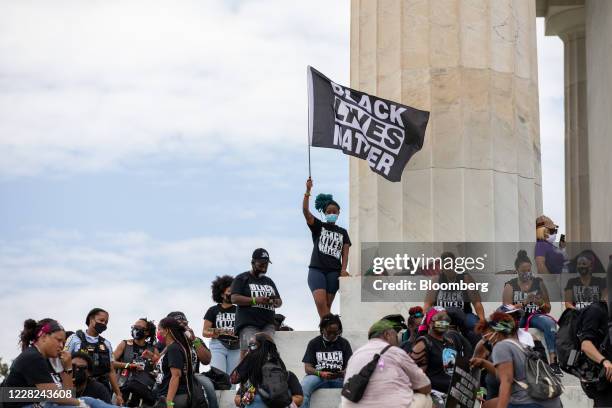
[(261, 254), (180, 316)]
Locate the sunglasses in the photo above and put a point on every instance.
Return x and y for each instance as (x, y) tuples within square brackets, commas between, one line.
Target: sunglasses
[(253, 346), (553, 230)]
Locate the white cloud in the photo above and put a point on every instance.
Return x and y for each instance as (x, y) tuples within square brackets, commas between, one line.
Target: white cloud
[(63, 275), (87, 86)]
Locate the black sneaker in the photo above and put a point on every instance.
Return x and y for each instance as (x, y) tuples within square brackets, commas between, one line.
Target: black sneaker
[(556, 369)]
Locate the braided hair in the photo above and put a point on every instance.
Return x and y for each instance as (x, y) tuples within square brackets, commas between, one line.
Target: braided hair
[(323, 201), (255, 359), (33, 330), (178, 333), (328, 320)]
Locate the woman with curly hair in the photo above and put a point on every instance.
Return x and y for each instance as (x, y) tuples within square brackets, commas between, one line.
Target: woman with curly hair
[(330, 252), (219, 324)]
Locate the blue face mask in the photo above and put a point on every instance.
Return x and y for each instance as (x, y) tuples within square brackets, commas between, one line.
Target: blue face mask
[(331, 217)]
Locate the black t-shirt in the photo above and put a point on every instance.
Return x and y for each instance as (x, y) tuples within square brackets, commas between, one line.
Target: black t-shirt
[(172, 358), (248, 285), (440, 363), (222, 318), (585, 295), (96, 390), (459, 299), (28, 369), (593, 325), (328, 240), (325, 356), (519, 296)]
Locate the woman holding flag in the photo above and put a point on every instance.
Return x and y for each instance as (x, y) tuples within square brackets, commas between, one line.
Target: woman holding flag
[(330, 251)]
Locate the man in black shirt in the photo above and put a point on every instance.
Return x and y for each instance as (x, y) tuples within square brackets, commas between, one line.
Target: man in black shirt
[(595, 343), (82, 367), (256, 298)]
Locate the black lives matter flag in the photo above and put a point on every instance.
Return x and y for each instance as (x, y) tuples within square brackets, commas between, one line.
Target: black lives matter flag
[(382, 132)]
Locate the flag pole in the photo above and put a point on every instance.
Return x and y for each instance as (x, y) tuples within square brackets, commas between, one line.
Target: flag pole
[(309, 96)]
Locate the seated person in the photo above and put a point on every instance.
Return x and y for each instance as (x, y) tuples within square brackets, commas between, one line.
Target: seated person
[(584, 289), (466, 300), (530, 294), (435, 352), (257, 376), (82, 367), (43, 365), (325, 358)]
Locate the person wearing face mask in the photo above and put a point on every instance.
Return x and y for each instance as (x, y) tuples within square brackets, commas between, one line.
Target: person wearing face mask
[(548, 257), (175, 378), (330, 252), (85, 386), (509, 361), (200, 354), (397, 381), (325, 358), (219, 325), (466, 300), (434, 353), (584, 289), (256, 298), (134, 362), (98, 348), (44, 365), (530, 294)]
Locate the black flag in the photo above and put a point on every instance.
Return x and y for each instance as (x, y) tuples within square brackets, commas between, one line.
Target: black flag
[(382, 132)]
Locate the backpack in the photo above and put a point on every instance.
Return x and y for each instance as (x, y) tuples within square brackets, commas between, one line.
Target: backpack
[(540, 382), (274, 389), (356, 385), (568, 345)]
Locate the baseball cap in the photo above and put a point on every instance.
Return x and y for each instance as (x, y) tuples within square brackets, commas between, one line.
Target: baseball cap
[(380, 326), (397, 320), (180, 316), (261, 254)]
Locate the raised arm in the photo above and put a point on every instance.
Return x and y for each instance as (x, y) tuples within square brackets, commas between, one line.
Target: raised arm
[(305, 203)]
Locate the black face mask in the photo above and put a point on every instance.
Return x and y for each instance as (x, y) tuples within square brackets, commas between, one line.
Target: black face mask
[(138, 334), (583, 271), (227, 299), (80, 375), (99, 328)]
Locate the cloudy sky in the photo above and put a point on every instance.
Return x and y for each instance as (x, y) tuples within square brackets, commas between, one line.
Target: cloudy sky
[(146, 147)]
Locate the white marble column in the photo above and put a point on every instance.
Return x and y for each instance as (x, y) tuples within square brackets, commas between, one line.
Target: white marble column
[(473, 64), (599, 100), (568, 23)]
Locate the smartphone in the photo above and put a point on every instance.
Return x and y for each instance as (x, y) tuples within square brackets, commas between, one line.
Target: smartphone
[(562, 239)]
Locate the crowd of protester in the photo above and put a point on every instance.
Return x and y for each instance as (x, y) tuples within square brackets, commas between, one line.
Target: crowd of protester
[(407, 361)]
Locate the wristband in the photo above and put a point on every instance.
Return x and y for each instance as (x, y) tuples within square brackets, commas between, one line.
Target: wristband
[(169, 403), (127, 365), (603, 360), (307, 194), (253, 302), (318, 373), (197, 342)]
